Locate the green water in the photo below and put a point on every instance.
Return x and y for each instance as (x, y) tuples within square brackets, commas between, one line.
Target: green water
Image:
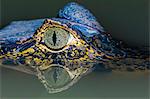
[(97, 85)]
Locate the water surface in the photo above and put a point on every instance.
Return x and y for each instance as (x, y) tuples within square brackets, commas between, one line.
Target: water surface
[(98, 85)]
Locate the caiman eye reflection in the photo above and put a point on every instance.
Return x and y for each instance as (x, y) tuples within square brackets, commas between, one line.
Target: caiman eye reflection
[(56, 38), (57, 77)]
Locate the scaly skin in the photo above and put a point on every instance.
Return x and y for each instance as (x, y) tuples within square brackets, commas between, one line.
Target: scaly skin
[(23, 47)]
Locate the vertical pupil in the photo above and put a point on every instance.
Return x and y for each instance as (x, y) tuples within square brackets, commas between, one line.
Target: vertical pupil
[(55, 75), (54, 38)]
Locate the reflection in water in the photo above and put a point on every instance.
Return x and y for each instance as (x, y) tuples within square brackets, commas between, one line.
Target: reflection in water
[(57, 77), (96, 84)]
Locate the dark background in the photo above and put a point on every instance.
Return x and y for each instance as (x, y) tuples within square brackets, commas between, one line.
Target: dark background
[(126, 20)]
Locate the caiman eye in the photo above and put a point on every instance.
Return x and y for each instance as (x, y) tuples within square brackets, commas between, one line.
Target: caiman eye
[(56, 38)]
